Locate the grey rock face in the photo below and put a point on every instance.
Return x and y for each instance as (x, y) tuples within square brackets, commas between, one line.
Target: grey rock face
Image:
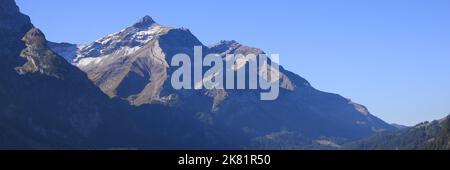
[(40, 58)]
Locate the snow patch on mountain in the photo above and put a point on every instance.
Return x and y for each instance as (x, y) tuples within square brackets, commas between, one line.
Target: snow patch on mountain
[(124, 42)]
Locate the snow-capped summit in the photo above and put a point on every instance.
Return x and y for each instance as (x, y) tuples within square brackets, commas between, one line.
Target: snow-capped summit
[(122, 43)]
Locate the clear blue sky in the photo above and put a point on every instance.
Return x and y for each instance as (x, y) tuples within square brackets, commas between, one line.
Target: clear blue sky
[(391, 55)]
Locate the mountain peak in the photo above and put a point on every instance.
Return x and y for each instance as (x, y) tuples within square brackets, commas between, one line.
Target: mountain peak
[(144, 22), (35, 36), (228, 42), (225, 46)]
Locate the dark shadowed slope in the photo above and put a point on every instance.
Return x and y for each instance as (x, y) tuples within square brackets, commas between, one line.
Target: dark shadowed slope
[(428, 135), (45, 102)]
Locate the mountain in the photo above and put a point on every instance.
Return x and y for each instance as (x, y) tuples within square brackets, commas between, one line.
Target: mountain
[(47, 103), (398, 126), (433, 135), (64, 49), (133, 65), (36, 86)]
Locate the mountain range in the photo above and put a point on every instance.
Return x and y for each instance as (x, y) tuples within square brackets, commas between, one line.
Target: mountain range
[(115, 93), (433, 135), (47, 103)]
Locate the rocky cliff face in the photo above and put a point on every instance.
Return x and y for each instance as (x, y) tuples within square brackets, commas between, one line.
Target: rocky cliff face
[(133, 65)]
